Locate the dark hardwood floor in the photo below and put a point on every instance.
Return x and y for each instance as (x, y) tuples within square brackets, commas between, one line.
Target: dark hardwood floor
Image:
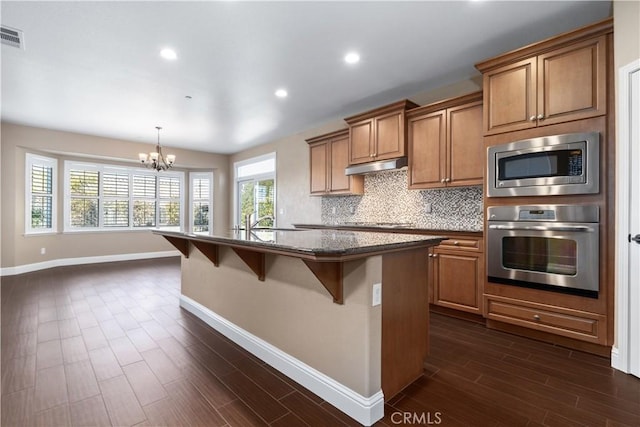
[(108, 344)]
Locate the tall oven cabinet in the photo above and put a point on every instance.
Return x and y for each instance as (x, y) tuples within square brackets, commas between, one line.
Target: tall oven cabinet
[(559, 86)]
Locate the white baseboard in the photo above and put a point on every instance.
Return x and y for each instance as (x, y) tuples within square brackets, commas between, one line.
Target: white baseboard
[(28, 268), (365, 410), (617, 361)]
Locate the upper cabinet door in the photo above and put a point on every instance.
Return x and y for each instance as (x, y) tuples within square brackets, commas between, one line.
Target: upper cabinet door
[(467, 155), (446, 145), (427, 140), (389, 136), (379, 134), (338, 181), (510, 97), (361, 135), (572, 82), (565, 81), (329, 156), (318, 167)]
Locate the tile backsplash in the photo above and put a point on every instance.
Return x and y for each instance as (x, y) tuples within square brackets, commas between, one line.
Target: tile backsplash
[(387, 199)]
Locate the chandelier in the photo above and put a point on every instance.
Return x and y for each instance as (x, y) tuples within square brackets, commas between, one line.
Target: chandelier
[(155, 159)]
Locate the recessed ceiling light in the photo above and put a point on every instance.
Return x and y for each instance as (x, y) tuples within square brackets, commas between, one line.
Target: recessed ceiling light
[(352, 58), (281, 93), (168, 54)]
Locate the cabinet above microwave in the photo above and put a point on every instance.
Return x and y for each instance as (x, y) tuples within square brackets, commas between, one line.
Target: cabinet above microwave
[(546, 166)]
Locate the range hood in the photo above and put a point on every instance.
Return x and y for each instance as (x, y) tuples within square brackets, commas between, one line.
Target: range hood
[(379, 166)]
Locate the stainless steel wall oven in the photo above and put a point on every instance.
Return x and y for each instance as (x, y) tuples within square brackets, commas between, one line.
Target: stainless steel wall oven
[(551, 247)]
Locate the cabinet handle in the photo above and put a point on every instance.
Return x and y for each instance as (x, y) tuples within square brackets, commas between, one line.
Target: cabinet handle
[(540, 116), (532, 118), (430, 255), (456, 243), (447, 180), (435, 255), (536, 317), (442, 180)]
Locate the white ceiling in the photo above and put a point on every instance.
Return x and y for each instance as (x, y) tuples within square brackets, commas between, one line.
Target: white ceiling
[(94, 67)]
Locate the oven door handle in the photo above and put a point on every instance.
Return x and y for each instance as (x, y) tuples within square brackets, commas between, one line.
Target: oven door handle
[(583, 228)]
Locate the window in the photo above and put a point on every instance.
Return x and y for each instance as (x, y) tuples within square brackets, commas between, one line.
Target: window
[(255, 190), (84, 192), (40, 194), (116, 199), (201, 202), (169, 201), (103, 197), (144, 200)]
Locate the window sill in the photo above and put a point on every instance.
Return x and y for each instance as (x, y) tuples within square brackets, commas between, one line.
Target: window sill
[(40, 233), (116, 230)]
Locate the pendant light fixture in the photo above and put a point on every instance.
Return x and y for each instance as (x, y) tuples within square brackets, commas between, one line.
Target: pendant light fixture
[(155, 159)]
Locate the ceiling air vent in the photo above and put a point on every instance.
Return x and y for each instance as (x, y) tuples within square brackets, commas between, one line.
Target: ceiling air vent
[(12, 37)]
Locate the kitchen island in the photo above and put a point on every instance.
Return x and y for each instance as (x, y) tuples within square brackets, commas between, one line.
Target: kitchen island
[(303, 301)]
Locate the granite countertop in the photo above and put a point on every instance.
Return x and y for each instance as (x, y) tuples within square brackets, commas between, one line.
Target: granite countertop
[(390, 227), (316, 243)]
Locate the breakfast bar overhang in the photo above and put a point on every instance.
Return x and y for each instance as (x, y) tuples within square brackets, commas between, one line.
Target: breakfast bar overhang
[(302, 301)]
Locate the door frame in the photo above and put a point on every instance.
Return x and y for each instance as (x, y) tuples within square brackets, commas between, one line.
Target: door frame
[(620, 352)]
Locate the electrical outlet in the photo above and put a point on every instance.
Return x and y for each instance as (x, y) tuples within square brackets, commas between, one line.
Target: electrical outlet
[(281, 211), (352, 210), (43, 251), (377, 294), (333, 210), (427, 208)]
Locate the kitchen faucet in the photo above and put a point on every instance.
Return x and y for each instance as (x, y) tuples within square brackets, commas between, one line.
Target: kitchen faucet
[(248, 225)]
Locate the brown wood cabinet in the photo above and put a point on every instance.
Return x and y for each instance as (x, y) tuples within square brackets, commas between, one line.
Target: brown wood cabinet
[(576, 324), (567, 80), (457, 274), (328, 157), (446, 146), (562, 80), (378, 134)]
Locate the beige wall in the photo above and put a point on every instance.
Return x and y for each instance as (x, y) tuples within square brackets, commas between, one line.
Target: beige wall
[(20, 250), (292, 311), (293, 202), (1, 192), (626, 21), (450, 91), (292, 160)]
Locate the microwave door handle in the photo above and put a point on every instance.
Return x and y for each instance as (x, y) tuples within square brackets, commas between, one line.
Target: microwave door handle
[(541, 228)]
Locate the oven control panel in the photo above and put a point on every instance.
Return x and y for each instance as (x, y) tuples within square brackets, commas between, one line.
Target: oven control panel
[(544, 213), (537, 214)]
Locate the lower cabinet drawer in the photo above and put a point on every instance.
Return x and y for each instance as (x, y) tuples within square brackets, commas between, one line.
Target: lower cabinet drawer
[(570, 323), (462, 243)]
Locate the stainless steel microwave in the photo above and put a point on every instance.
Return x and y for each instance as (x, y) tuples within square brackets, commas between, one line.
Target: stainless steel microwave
[(546, 166)]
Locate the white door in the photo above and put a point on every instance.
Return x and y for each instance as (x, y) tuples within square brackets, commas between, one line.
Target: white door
[(634, 226), (628, 214)]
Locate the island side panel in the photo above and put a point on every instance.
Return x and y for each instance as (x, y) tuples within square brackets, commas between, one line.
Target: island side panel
[(292, 311), (405, 319)]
